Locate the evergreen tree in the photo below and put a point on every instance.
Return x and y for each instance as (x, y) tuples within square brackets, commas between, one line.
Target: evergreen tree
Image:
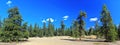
[(119, 32), (75, 31), (107, 25), (81, 23), (50, 29), (59, 31), (90, 31), (12, 30), (68, 32), (25, 30), (97, 30), (0, 26), (71, 30), (41, 32), (116, 30), (35, 30), (56, 32), (0, 23), (53, 29), (45, 29), (62, 28), (30, 29)]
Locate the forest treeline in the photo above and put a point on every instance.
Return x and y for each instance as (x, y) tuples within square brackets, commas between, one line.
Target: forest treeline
[(13, 28)]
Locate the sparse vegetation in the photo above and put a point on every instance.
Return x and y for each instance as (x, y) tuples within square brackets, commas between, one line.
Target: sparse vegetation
[(13, 28)]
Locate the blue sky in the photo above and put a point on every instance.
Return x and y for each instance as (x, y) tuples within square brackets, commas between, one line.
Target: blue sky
[(35, 11)]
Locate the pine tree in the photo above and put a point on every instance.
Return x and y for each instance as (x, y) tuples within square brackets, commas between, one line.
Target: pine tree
[(81, 23), (30, 29), (71, 30), (59, 31), (0, 24), (68, 32), (62, 28), (90, 31), (116, 30), (97, 30), (56, 32), (25, 30), (45, 29), (53, 29), (35, 30), (50, 29), (40, 33), (119, 32), (12, 30), (75, 31), (107, 25)]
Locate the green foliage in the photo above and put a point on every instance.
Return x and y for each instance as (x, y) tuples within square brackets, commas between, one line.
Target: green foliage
[(44, 29), (12, 29), (26, 34), (108, 27), (67, 32), (50, 29), (90, 31), (119, 32), (97, 31), (56, 32), (81, 23), (35, 31), (112, 34), (25, 31), (62, 32), (75, 31), (0, 24), (30, 29)]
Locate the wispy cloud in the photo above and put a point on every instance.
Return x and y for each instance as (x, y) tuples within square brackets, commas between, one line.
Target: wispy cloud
[(93, 19), (65, 17), (51, 19), (44, 21), (9, 3)]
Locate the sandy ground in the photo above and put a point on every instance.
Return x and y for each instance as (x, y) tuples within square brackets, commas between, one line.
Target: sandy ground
[(61, 40)]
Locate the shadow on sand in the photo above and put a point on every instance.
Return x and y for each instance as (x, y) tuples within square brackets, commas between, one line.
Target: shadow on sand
[(86, 40), (15, 41)]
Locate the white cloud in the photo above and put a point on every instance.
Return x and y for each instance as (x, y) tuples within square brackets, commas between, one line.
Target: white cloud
[(51, 19), (93, 19), (9, 3), (65, 17), (44, 21)]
